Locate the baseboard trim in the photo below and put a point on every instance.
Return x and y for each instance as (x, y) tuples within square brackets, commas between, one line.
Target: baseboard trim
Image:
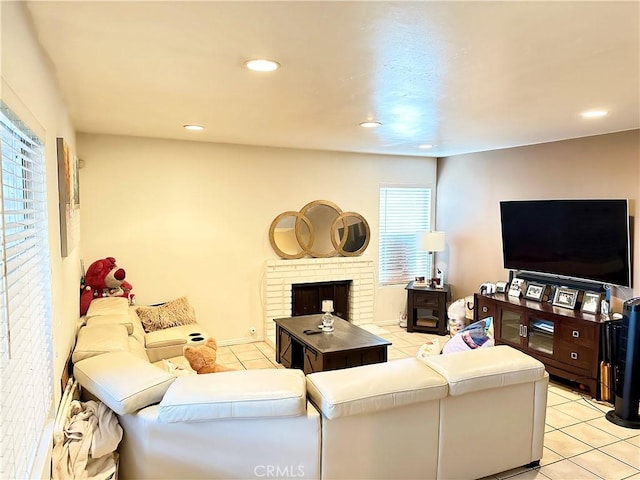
[(382, 323), (237, 341)]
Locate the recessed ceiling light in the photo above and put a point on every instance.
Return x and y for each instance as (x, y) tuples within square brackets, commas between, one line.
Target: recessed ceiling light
[(594, 113), (262, 65), (195, 128), (370, 124), (425, 146)]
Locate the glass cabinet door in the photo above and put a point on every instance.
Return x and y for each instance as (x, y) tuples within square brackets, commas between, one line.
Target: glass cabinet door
[(510, 322), (540, 335)]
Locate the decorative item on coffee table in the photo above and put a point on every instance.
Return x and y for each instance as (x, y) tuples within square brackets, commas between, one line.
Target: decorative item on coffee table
[(327, 318)]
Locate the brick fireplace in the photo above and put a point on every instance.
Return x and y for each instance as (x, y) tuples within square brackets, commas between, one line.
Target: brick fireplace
[(282, 274)]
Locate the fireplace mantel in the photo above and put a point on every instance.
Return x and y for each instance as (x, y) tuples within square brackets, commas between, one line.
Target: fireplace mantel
[(281, 274)]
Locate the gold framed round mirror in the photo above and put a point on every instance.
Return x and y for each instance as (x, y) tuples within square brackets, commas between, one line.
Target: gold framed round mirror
[(283, 235), (321, 214), (350, 234)]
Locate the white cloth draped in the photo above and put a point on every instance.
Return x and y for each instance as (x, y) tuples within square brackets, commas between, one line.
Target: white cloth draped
[(91, 436)]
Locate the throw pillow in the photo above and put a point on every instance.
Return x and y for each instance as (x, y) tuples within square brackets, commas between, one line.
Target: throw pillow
[(476, 335), (171, 314)]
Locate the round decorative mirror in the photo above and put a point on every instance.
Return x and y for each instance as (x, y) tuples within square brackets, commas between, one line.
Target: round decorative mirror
[(320, 229), (321, 214), (350, 234), (283, 235)]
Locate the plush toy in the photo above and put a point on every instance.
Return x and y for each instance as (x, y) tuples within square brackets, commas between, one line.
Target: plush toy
[(457, 319), (104, 279), (202, 358)]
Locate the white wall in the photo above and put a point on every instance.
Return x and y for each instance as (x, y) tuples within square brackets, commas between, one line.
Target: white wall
[(30, 89), (471, 186), (192, 218)]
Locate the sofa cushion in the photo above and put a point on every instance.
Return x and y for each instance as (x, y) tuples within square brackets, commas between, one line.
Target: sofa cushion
[(122, 381), (486, 368), (108, 306), (137, 349), (112, 319), (98, 339), (236, 394), (170, 314), (369, 388)]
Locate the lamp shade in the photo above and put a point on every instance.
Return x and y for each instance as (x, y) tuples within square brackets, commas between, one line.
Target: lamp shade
[(432, 242)]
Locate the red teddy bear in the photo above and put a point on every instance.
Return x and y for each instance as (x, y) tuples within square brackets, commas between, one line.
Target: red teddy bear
[(103, 279)]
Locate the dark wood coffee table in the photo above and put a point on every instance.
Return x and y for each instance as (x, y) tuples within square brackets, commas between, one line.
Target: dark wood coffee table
[(347, 346)]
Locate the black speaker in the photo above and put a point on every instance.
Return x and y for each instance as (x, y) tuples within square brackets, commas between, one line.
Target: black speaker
[(626, 368)]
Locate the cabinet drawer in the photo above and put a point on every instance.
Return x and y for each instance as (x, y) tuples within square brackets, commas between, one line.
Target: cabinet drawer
[(485, 310), (575, 333), (426, 301), (576, 355)]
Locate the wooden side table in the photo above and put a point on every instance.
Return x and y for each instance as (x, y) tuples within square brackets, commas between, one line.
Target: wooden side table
[(427, 308)]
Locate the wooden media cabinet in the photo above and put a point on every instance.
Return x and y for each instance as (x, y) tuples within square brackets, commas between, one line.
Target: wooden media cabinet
[(566, 341)]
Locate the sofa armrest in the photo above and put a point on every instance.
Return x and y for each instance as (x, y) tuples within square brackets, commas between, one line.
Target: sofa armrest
[(369, 388), (235, 394), (169, 342)]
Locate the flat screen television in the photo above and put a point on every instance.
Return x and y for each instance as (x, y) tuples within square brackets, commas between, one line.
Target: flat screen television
[(582, 239)]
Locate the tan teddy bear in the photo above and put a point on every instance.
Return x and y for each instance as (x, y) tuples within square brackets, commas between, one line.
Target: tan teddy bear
[(202, 358)]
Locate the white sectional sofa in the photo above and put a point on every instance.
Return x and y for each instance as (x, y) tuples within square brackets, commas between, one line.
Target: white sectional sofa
[(462, 415)]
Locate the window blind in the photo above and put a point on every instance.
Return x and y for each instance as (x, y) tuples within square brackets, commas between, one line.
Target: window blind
[(404, 212), (25, 298)]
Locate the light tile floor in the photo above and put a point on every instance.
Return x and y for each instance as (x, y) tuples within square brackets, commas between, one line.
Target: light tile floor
[(580, 443)]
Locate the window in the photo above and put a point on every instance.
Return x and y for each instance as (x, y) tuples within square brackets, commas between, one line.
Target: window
[(404, 212), (25, 298)]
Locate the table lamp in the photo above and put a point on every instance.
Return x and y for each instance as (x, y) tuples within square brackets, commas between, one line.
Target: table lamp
[(433, 242)]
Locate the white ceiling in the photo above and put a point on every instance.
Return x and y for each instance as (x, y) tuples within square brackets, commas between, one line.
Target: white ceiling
[(465, 76)]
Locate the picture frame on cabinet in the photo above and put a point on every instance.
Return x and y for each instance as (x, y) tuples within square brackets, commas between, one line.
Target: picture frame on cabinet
[(517, 287), (535, 291), (420, 282), (591, 302), (565, 298), (552, 293)]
